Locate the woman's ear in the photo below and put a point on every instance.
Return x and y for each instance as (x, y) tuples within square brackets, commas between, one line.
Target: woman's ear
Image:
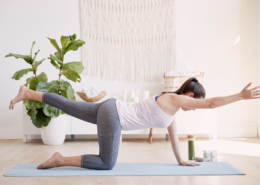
[(191, 95)]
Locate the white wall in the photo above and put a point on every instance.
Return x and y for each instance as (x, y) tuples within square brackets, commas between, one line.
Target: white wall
[(258, 50), (207, 31)]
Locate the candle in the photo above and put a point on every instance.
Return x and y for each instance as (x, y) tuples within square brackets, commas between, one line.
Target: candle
[(136, 99), (132, 95), (145, 95), (137, 92), (115, 97), (125, 95)]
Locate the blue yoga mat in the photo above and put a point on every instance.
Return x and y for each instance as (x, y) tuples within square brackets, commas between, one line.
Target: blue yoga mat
[(127, 169)]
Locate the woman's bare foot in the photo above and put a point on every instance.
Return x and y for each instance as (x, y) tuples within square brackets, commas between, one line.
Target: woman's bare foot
[(54, 161), (19, 97)]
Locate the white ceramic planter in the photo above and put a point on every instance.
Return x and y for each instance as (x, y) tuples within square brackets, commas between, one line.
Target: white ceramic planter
[(55, 132)]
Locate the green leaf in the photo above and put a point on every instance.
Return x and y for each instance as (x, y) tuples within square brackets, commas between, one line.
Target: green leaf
[(74, 66), (74, 45), (66, 89), (56, 59), (27, 58), (41, 119), (33, 83), (55, 64), (74, 36), (19, 74), (55, 44), (36, 64), (52, 87), (35, 55), (57, 54), (64, 42), (34, 112), (29, 103), (32, 48), (51, 111), (42, 77), (71, 75), (28, 80)]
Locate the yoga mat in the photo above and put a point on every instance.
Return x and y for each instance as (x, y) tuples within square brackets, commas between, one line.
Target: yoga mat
[(127, 169)]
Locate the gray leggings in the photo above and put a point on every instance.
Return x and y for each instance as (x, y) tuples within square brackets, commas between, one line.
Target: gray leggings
[(105, 116)]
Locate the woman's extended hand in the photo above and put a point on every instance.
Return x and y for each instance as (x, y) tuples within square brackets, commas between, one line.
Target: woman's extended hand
[(188, 163), (250, 93)]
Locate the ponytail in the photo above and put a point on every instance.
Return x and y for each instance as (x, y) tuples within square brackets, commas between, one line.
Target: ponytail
[(191, 85)]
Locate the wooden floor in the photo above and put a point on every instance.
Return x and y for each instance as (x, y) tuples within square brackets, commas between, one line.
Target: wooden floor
[(243, 153)]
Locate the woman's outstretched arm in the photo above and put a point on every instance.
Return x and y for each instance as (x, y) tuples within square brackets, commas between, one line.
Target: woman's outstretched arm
[(172, 130), (192, 103)]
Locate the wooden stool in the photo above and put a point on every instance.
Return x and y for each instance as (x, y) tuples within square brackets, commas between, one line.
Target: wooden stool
[(151, 136)]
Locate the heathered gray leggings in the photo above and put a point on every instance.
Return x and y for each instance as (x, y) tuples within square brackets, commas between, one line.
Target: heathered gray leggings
[(105, 116)]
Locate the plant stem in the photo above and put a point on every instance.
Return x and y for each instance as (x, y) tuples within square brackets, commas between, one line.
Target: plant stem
[(60, 73), (34, 71)]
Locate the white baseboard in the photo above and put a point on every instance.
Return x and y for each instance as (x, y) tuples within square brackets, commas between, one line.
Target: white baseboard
[(16, 133), (237, 132), (144, 136)]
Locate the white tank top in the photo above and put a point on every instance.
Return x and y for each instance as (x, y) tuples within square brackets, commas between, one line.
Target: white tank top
[(141, 115)]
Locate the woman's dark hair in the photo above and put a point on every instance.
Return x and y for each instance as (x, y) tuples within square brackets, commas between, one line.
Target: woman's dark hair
[(191, 85)]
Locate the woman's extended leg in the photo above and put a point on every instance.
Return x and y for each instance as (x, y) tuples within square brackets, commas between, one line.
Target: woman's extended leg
[(86, 111)]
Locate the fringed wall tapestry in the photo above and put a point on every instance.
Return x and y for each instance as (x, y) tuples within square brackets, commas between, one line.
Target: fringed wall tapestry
[(128, 40)]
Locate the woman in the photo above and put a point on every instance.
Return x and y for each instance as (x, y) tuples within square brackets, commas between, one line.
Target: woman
[(114, 115)]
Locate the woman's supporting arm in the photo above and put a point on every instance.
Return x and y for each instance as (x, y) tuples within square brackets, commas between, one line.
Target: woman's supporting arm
[(172, 130), (188, 102)]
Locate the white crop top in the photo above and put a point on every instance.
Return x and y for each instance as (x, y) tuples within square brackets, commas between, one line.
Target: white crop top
[(141, 115)]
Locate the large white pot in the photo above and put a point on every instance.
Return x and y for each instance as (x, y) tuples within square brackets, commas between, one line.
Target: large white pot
[(55, 132)]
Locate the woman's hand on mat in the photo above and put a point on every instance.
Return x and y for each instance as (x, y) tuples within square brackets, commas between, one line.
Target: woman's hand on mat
[(188, 163), (250, 93)]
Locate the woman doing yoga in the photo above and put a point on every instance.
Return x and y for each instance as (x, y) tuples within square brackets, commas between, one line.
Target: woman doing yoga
[(113, 115)]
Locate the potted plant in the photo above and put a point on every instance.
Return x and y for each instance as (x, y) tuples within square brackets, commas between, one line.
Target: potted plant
[(50, 120)]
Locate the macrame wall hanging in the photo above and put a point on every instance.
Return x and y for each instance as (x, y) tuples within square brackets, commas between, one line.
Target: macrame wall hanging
[(128, 40)]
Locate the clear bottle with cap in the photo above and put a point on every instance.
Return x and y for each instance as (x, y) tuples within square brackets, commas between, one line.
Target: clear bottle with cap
[(191, 147)]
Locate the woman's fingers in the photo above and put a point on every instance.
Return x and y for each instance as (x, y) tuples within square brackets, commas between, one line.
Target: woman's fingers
[(194, 164), (247, 85), (255, 88)]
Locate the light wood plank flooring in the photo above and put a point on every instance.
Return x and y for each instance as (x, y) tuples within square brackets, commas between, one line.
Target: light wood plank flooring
[(243, 153)]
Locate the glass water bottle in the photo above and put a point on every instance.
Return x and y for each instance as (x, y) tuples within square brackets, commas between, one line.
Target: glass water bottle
[(191, 147)]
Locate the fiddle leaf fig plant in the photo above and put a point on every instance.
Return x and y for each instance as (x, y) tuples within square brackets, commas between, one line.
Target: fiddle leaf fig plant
[(40, 112)]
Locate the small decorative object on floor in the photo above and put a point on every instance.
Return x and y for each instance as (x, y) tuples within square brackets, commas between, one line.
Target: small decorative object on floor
[(206, 156), (199, 159), (213, 155), (191, 147), (209, 156)]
